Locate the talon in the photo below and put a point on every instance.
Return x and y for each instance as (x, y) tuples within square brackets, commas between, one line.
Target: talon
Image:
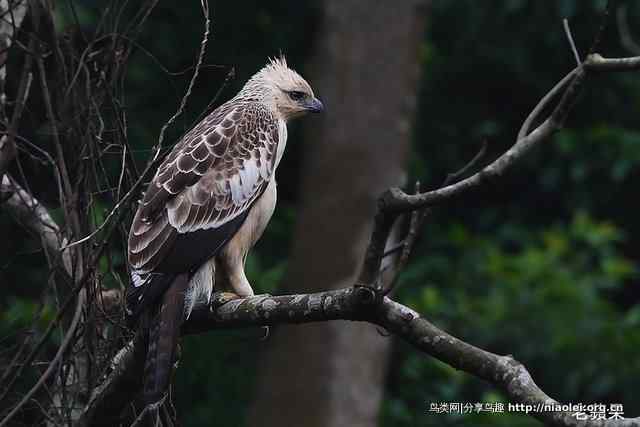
[(265, 331), (218, 299)]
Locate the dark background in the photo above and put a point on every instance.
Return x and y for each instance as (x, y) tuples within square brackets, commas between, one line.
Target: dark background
[(542, 265)]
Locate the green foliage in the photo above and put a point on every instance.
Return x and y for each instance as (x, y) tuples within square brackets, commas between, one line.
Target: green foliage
[(21, 313), (542, 298)]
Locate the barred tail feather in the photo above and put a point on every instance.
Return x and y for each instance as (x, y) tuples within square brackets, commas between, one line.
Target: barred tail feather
[(164, 331)]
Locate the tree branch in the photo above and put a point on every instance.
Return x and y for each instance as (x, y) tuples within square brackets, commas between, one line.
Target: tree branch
[(598, 63), (396, 201), (36, 218), (504, 372), (626, 38), (8, 28), (53, 365)]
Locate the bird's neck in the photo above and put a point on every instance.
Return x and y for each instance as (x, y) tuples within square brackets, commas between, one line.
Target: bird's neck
[(282, 141)]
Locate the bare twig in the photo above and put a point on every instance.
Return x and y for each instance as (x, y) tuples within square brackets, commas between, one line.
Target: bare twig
[(153, 161), (39, 345), (572, 43), (543, 103), (396, 201), (66, 341), (29, 212), (183, 103), (7, 142), (418, 217), (457, 175), (626, 38), (415, 224)]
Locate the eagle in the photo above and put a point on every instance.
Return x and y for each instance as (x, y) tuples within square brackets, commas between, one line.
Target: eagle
[(206, 206)]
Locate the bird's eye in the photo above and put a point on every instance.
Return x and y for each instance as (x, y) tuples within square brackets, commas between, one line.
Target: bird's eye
[(296, 95)]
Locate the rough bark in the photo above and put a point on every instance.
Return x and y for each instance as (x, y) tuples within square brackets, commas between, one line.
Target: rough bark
[(332, 374), (355, 304)]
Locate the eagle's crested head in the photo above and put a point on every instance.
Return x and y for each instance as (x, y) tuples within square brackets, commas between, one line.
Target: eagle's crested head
[(283, 90)]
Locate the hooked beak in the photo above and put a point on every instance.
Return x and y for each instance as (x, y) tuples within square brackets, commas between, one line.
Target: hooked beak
[(314, 105)]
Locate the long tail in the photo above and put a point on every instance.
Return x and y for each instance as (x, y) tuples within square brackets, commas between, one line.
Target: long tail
[(164, 331)]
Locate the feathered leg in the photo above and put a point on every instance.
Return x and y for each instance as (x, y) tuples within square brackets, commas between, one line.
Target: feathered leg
[(231, 262)]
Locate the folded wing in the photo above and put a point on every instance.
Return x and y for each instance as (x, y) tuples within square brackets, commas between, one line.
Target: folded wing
[(200, 196)]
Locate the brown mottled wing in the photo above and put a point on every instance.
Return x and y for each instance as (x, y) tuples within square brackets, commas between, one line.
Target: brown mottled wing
[(200, 195)]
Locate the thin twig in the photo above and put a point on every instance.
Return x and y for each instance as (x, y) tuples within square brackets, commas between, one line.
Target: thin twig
[(54, 363), (624, 31), (415, 224), (418, 217), (126, 198), (456, 176), (572, 43), (183, 103), (7, 143), (543, 103)]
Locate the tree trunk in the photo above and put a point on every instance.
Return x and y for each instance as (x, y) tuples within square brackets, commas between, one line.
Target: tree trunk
[(365, 71)]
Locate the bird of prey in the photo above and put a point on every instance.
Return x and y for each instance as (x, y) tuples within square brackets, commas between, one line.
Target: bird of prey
[(207, 205)]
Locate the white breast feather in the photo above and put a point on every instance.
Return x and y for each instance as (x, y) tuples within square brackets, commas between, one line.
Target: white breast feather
[(282, 141)]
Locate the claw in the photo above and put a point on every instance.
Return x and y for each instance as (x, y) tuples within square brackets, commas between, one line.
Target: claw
[(265, 330), (218, 299)]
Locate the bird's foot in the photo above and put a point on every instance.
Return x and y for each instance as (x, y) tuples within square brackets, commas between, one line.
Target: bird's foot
[(218, 299), (266, 332)]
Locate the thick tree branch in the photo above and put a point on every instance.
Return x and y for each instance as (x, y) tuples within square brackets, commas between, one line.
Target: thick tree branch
[(264, 310), (36, 218), (598, 63), (504, 372)]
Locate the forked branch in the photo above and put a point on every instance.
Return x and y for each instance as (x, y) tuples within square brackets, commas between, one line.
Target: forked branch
[(356, 304)]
